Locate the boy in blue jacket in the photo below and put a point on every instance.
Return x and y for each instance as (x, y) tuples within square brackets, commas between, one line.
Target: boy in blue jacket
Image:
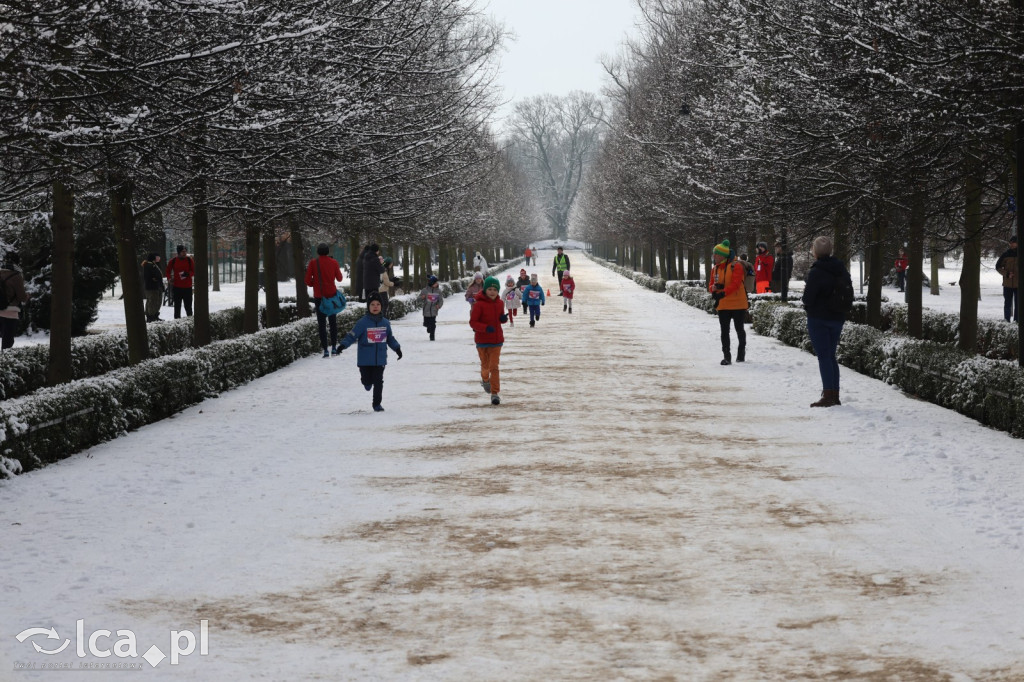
[(533, 297), (373, 332)]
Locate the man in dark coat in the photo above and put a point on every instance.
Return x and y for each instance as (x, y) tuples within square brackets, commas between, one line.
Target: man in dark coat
[(153, 282), (782, 270), (1007, 267), (372, 269)]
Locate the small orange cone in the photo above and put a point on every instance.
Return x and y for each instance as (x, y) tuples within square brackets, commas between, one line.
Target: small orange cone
[(549, 292)]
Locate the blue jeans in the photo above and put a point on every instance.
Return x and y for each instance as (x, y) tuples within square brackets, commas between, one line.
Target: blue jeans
[(825, 339), (1010, 303), (534, 312)]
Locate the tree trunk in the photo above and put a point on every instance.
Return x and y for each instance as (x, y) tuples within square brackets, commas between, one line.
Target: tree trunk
[(299, 265), (200, 252), (355, 270), (970, 276), (251, 321), (915, 273), (270, 277), (121, 190), (841, 234), (875, 270), (935, 260), (60, 370), (215, 256)]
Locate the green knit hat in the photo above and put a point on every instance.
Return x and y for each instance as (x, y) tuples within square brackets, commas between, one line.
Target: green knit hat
[(723, 249), (491, 283)]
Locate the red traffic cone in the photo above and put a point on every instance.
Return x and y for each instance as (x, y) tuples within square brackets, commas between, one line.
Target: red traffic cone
[(549, 292)]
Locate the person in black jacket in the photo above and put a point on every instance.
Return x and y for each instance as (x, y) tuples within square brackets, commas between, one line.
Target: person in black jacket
[(1007, 267), (153, 282), (372, 269), (782, 271), (824, 325)]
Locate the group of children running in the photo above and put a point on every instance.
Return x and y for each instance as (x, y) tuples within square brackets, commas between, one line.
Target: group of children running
[(490, 308)]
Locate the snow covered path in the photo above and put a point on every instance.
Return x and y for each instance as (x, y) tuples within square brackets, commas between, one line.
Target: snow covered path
[(632, 510)]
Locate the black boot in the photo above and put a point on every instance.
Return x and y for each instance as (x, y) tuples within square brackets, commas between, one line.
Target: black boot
[(741, 354), (727, 360)]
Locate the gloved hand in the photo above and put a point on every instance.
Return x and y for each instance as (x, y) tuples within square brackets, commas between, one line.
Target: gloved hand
[(398, 353), (490, 329), (503, 319)]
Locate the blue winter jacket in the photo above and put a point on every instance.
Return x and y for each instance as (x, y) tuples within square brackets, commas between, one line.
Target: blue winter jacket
[(369, 327), (529, 298)]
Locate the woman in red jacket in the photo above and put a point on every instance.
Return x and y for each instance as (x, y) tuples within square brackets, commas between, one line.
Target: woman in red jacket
[(486, 317), (902, 263), (321, 274), (764, 263)]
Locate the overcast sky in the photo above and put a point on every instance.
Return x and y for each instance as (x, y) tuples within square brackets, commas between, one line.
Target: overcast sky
[(558, 44)]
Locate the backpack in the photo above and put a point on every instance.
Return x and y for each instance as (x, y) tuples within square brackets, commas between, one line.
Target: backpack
[(749, 283), (841, 299)]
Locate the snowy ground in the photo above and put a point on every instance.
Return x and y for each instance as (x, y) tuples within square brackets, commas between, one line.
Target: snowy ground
[(632, 510)]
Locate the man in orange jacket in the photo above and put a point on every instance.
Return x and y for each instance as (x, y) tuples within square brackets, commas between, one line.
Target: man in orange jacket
[(726, 287)]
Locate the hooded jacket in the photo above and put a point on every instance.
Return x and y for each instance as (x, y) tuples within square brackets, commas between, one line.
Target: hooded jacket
[(534, 295), (730, 273), (487, 313), (568, 287), (825, 274), (14, 280), (511, 296), (433, 299)]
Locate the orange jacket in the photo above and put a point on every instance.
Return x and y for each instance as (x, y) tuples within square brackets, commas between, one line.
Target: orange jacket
[(730, 273)]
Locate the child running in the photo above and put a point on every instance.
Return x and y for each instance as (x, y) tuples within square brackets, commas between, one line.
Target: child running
[(486, 318), (373, 332), (522, 283), (510, 294), (533, 296), (432, 299), (474, 288), (568, 285)]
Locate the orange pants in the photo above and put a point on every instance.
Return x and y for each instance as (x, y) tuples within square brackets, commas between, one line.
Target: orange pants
[(489, 366), (762, 286)]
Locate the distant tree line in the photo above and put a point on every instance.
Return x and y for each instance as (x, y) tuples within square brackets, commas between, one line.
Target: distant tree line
[(359, 120), (882, 124)]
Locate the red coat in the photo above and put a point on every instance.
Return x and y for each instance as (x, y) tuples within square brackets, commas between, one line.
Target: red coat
[(763, 265), (487, 313), (331, 272), (902, 264), (568, 287), (180, 272)]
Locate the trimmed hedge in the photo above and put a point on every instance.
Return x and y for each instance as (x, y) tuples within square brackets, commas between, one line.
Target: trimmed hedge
[(646, 281), (51, 424)]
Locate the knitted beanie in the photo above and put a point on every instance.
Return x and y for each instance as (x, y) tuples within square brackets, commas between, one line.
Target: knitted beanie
[(491, 283), (723, 249)]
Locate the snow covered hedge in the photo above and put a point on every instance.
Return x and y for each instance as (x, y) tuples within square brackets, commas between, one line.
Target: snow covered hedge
[(991, 391), (646, 281), (51, 424)]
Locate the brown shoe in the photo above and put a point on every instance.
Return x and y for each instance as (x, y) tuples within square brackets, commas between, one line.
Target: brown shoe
[(829, 398)]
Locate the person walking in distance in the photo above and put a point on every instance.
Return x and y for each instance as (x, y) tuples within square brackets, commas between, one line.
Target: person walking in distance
[(180, 271), (726, 287), (372, 268), (321, 274), (433, 299), (764, 264), (12, 279), (559, 266), (782, 270), (486, 318), (902, 263), (824, 323), (1007, 267), (153, 284)]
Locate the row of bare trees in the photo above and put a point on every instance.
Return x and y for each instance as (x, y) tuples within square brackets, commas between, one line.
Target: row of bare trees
[(885, 124), (315, 119)]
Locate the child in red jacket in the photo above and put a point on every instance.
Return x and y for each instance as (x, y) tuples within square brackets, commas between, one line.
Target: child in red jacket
[(568, 285), (486, 317)]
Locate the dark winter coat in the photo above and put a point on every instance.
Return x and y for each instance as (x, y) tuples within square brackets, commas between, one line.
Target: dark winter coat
[(782, 270), (372, 270), (1007, 267), (823, 277), (373, 333), (152, 277), (486, 314)]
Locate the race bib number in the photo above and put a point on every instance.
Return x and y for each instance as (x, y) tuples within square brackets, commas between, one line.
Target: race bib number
[(432, 298), (534, 295), (510, 296), (567, 289), (377, 334)]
